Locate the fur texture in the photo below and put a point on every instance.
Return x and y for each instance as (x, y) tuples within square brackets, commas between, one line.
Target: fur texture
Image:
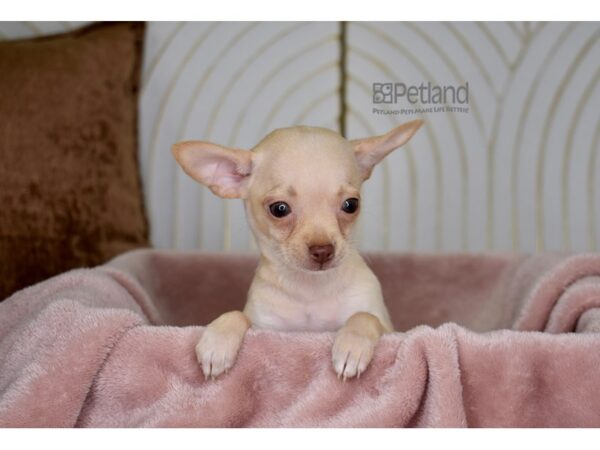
[(486, 340)]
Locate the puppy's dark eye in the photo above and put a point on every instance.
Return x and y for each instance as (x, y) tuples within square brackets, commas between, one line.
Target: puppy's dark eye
[(350, 205), (280, 209)]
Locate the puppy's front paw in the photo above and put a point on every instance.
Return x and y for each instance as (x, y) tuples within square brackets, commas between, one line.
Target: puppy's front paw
[(352, 352), (217, 350)]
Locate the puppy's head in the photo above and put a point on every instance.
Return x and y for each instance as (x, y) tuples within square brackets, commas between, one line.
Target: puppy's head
[(300, 185)]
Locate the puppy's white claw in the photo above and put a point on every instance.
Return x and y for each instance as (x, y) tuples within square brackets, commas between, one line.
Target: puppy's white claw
[(339, 361), (204, 358)]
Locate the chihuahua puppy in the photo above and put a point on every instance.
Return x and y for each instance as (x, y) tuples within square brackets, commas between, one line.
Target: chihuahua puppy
[(301, 192)]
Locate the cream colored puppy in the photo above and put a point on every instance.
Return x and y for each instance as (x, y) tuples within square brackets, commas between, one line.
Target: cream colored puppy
[(301, 190)]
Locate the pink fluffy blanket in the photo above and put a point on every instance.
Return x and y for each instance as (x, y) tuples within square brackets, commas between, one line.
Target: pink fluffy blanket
[(484, 340)]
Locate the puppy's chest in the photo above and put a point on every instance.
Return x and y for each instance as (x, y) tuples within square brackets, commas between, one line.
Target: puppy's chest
[(325, 317), (315, 314)]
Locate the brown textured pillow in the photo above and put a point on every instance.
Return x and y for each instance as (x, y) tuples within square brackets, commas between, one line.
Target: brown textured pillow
[(70, 190)]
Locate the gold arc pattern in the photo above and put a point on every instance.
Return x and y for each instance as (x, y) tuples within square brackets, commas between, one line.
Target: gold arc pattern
[(523, 115), (525, 33), (591, 185), (166, 44), (162, 108), (539, 210), (491, 147), (583, 101)]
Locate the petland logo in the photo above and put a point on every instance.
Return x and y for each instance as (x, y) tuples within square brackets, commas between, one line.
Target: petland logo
[(420, 99)]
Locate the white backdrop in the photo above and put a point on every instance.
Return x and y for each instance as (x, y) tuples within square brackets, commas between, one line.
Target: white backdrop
[(519, 171)]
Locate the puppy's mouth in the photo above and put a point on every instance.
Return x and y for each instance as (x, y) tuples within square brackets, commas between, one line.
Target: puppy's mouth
[(321, 267)]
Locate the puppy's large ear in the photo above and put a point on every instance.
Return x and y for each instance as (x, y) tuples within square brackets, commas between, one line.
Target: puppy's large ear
[(224, 170), (370, 151)]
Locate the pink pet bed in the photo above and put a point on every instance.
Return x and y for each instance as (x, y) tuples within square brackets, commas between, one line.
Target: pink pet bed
[(483, 340)]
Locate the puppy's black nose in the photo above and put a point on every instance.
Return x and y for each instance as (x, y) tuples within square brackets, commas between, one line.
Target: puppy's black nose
[(321, 253)]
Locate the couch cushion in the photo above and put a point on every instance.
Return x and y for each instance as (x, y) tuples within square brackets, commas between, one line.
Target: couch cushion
[(70, 189)]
